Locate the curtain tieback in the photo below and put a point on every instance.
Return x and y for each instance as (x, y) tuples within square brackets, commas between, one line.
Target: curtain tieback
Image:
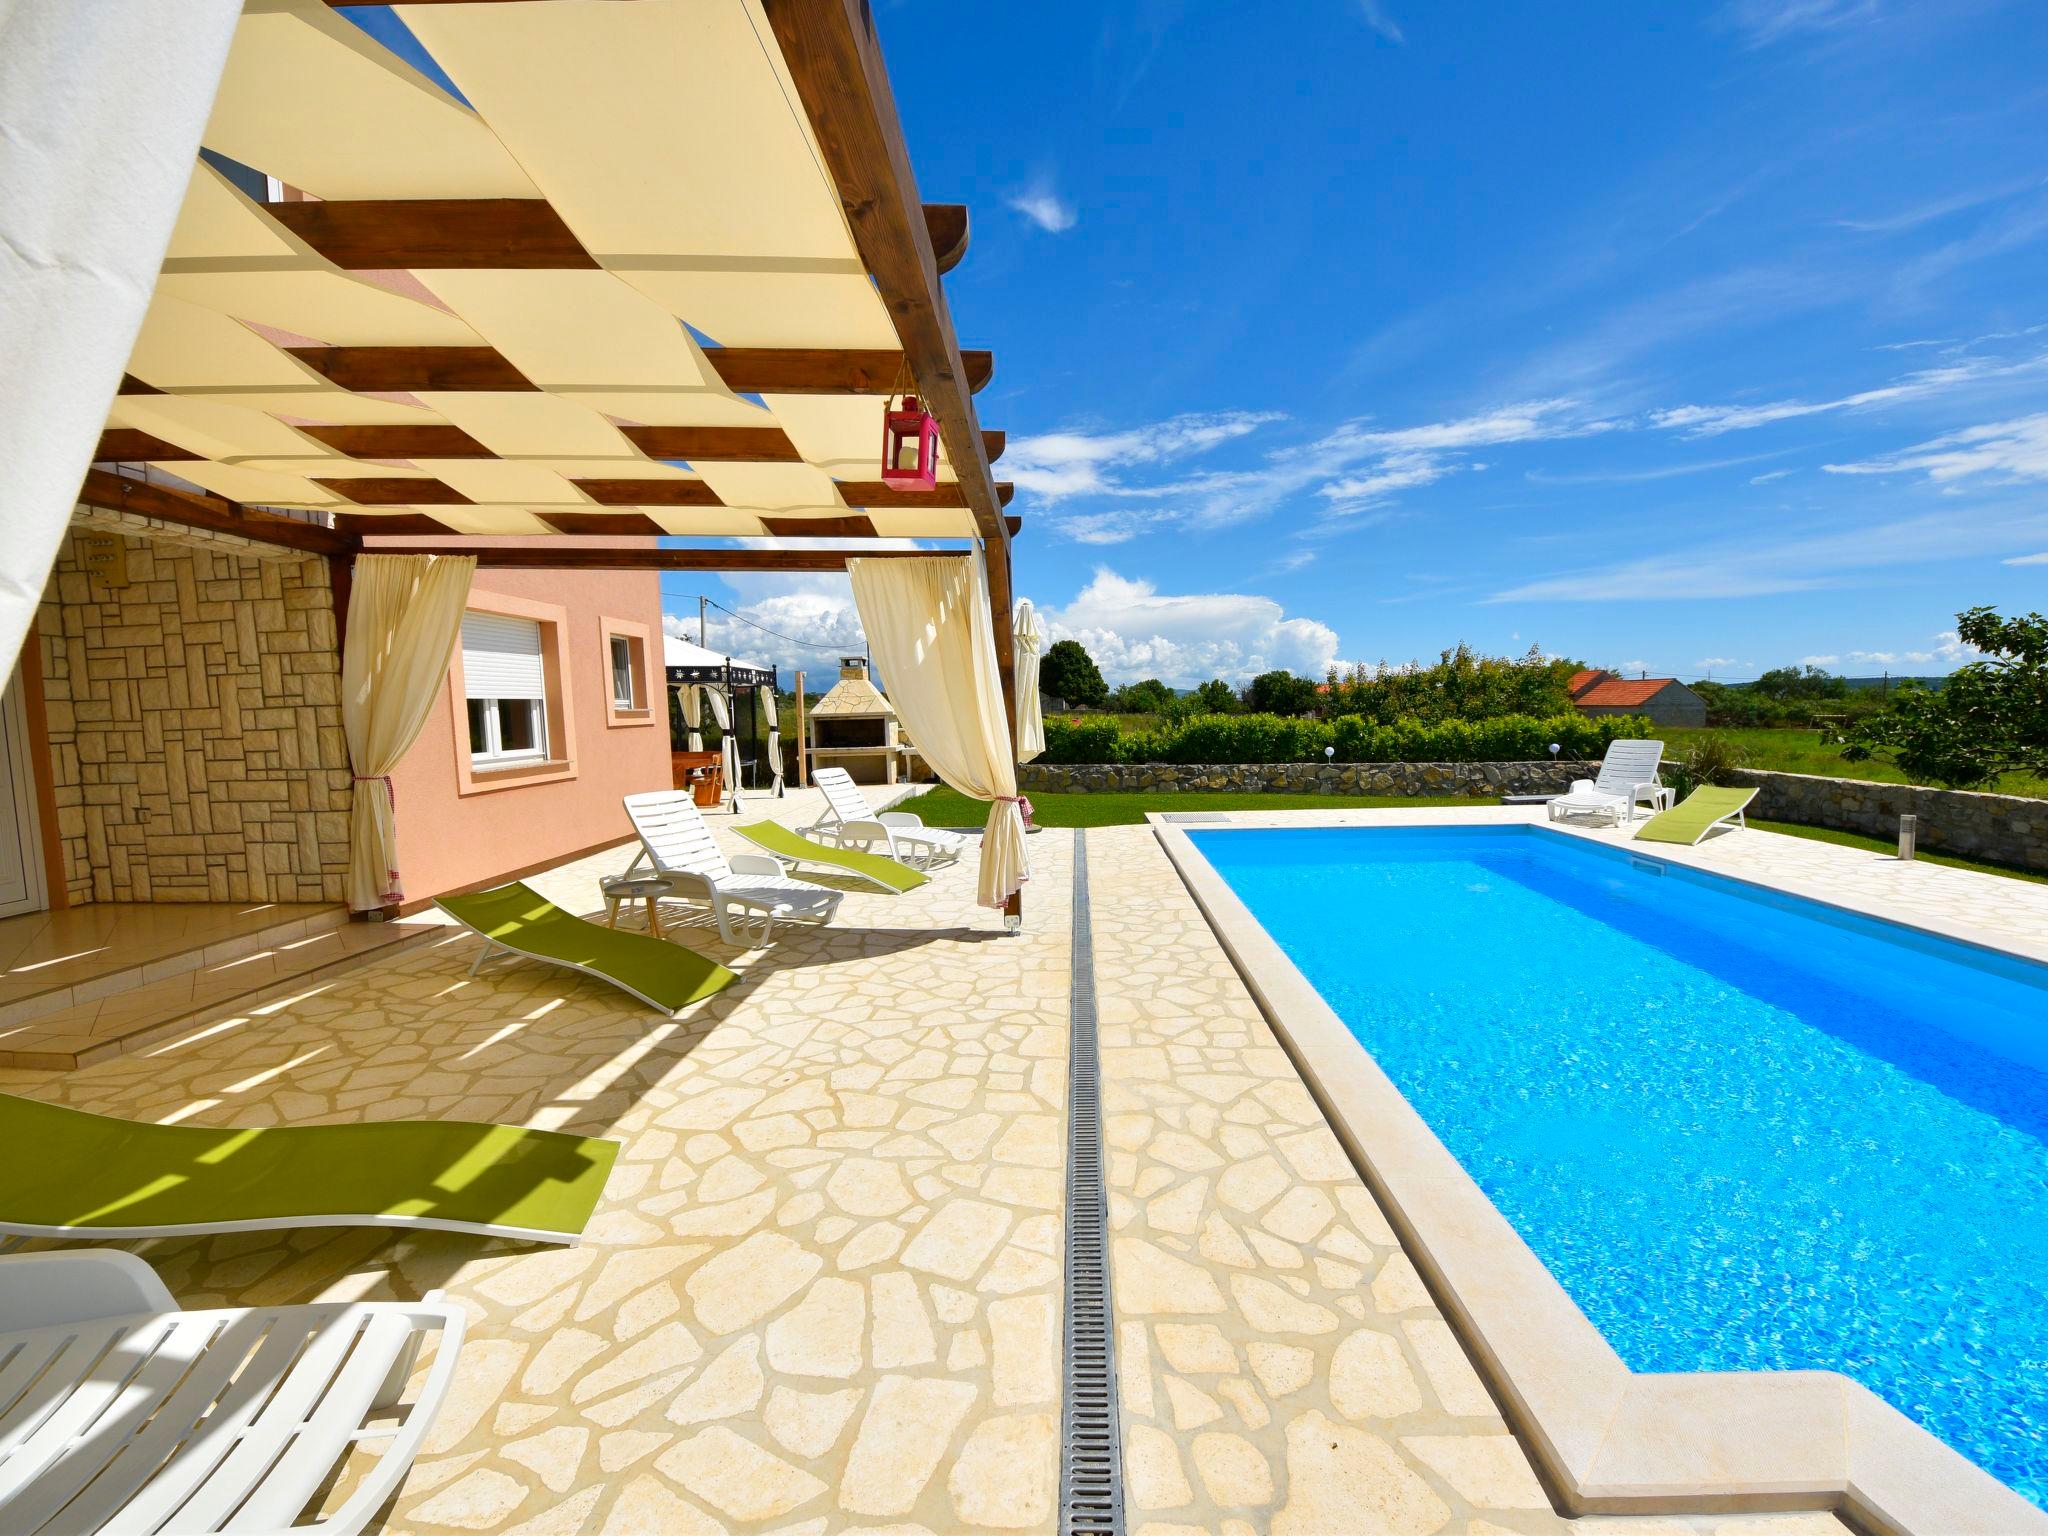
[(1022, 802), (378, 778)]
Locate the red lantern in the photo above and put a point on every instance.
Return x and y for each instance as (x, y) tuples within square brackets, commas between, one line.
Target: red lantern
[(910, 447)]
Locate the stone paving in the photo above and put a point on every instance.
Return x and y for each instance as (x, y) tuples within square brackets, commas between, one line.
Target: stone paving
[(822, 1292)]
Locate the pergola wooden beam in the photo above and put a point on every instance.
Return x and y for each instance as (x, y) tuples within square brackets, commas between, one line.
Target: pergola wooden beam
[(946, 225), (378, 491), (993, 443), (564, 555), (497, 233), (399, 442), (190, 509), (126, 445), (744, 370), (648, 493), (411, 525), (873, 493), (494, 233), (827, 371), (738, 445), (835, 62)]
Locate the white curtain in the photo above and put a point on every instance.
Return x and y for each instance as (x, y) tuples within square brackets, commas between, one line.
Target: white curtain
[(404, 617), (1030, 640), (728, 746), (101, 107), (928, 624), (693, 714), (774, 736)]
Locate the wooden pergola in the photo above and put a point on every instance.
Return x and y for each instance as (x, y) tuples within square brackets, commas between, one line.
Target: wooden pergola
[(652, 268)]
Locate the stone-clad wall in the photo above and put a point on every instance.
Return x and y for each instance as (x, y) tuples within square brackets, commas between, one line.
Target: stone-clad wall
[(195, 725), (1479, 779), (2003, 829)]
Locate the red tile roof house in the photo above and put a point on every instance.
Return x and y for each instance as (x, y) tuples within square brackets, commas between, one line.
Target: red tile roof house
[(1664, 699)]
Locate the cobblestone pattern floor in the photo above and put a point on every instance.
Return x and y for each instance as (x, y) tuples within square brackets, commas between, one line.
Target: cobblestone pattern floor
[(1281, 1365), (822, 1291)]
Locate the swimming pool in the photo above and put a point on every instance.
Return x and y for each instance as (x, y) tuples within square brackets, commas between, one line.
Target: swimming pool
[(1744, 1131)]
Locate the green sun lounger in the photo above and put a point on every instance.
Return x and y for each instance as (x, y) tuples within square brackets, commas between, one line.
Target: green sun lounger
[(793, 849), (1698, 814), (519, 919), (80, 1175)]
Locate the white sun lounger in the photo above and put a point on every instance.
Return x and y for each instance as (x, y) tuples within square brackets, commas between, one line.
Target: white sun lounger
[(902, 835), (1627, 778), (677, 845), (120, 1413)]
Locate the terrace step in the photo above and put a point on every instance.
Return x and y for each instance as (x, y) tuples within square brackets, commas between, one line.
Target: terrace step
[(191, 996)]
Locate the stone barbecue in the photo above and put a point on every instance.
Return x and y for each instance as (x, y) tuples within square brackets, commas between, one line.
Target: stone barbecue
[(854, 727)]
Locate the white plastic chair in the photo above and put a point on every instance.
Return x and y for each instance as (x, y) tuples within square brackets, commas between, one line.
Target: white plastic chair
[(121, 1413), (902, 835), (1627, 778), (678, 846)]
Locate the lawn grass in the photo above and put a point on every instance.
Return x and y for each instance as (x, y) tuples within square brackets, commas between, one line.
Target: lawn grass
[(941, 807), (1879, 845), (1799, 749)]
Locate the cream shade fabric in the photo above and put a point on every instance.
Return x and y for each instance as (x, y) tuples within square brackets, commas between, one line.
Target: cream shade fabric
[(1030, 634), (103, 106), (693, 713), (728, 745), (928, 625), (404, 617), (774, 736)]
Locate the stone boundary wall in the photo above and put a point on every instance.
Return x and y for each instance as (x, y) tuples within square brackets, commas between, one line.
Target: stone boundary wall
[(2000, 829), (194, 717), (1477, 779)]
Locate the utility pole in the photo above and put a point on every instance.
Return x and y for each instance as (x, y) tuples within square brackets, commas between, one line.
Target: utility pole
[(701, 631)]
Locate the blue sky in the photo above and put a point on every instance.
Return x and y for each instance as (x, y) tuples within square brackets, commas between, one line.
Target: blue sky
[(1682, 337)]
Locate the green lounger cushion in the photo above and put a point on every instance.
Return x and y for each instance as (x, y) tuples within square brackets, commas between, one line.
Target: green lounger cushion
[(1691, 819), (663, 975), (880, 868), (73, 1173)]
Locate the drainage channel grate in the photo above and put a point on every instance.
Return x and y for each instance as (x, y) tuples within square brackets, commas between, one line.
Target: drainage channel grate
[(1091, 1457)]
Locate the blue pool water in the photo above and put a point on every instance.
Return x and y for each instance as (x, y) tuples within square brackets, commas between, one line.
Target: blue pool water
[(1745, 1132)]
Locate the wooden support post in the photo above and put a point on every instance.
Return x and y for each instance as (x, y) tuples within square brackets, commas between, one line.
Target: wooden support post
[(803, 741)]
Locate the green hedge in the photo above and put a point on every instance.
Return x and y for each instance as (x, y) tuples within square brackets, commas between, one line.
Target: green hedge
[(1273, 739)]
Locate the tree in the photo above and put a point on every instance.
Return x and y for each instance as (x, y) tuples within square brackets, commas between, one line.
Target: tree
[(1068, 672), (1989, 718), (1280, 693), (1216, 697), (1150, 697), (1808, 682)]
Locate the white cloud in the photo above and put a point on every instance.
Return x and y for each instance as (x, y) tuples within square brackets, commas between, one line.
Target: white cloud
[(1053, 465), (1748, 567), (1945, 650), (1712, 420), (1776, 474), (1355, 468), (1135, 631), (1710, 662), (1377, 18), (2007, 451), (1044, 207), (2040, 559), (1763, 22)]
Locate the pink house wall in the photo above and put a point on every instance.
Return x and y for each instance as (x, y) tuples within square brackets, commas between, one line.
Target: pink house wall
[(456, 829)]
